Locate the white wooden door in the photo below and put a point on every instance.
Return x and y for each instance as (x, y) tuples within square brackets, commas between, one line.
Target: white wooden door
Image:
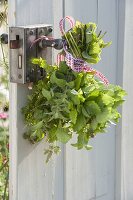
[(74, 175)]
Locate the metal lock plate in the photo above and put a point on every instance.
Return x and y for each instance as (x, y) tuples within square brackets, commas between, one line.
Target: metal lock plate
[(23, 49)]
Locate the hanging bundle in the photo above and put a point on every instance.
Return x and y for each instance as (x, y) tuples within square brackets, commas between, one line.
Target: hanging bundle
[(70, 102), (82, 46)]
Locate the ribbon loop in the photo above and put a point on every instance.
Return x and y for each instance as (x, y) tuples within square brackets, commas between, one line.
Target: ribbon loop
[(62, 23)]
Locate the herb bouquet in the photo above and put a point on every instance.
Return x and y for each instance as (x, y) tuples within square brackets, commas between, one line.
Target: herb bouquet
[(67, 103), (83, 42)]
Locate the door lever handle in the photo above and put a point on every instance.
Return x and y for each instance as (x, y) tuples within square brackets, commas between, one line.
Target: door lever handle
[(55, 43)]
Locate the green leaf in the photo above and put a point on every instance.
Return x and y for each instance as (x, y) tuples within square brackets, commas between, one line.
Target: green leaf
[(52, 134), (63, 67), (80, 95), (80, 123), (39, 61), (88, 147), (77, 145), (73, 116), (55, 80), (49, 155), (85, 113), (94, 49), (82, 140), (103, 116), (103, 45), (89, 37), (74, 98), (94, 124), (37, 125), (107, 99), (57, 150), (89, 58), (94, 93), (92, 108), (63, 135), (36, 135), (70, 84), (91, 27), (46, 94), (78, 81), (88, 89)]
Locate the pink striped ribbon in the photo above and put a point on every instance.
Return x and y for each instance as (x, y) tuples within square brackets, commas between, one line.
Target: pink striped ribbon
[(60, 57)]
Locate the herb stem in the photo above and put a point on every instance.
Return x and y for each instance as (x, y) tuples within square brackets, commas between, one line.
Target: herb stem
[(4, 165), (75, 45), (6, 184), (69, 44)]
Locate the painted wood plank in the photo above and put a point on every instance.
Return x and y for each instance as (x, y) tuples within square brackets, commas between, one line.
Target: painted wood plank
[(30, 177), (92, 174), (105, 144), (126, 70), (82, 10), (12, 125), (120, 66), (58, 12), (80, 170)]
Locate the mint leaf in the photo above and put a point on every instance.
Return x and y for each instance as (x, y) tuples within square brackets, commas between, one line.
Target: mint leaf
[(107, 99), (39, 61), (52, 134), (46, 94), (63, 67), (74, 98), (73, 116), (92, 108), (78, 81), (57, 81), (88, 147), (37, 126), (85, 113), (103, 116), (63, 135), (82, 140), (80, 123)]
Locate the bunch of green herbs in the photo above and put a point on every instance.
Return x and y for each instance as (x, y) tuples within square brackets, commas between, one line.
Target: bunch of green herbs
[(66, 104), (84, 42)]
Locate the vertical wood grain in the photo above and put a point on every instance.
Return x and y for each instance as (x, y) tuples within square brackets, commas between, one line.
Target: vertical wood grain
[(105, 150), (126, 70), (30, 177), (13, 112), (120, 66), (92, 174), (80, 168)]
